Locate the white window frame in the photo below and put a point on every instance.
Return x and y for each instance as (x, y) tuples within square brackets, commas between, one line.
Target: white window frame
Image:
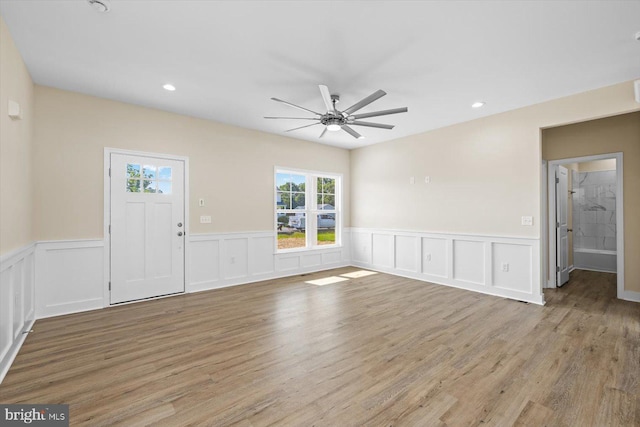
[(311, 210)]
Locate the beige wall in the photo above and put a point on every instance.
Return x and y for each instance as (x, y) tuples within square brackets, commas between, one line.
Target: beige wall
[(609, 135), (15, 147), (231, 168), (597, 165), (485, 174)]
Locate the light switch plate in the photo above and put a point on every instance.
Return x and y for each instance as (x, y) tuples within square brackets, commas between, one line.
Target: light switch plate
[(427, 179), (205, 219), (527, 220)]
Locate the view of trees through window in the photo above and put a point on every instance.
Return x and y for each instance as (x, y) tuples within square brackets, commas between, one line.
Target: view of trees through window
[(151, 179), (299, 222)]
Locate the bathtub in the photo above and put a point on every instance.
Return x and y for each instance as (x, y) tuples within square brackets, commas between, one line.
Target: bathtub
[(594, 259)]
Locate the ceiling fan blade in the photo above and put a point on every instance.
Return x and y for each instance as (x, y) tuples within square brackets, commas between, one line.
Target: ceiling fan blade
[(326, 97), (302, 127), (371, 125), (296, 106), (323, 132), (294, 118), (366, 101), (381, 113), (352, 132)]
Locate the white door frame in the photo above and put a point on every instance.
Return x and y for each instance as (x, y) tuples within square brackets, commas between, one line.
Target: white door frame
[(550, 195), (106, 301)]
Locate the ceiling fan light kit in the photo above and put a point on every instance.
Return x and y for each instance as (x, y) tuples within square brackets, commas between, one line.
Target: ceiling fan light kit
[(334, 120)]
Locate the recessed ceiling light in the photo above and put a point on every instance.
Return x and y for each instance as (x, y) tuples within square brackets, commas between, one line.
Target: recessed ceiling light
[(100, 5), (477, 104), (169, 87)]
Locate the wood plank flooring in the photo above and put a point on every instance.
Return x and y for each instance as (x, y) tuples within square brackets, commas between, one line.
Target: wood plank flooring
[(372, 351)]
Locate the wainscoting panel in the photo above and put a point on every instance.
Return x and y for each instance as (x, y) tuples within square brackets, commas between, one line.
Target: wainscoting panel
[(69, 277), (382, 250), (468, 261), (502, 266), (236, 257), (17, 297), (407, 256), (250, 257), (204, 263), (261, 257), (361, 247), (512, 266), (435, 257), (288, 263)]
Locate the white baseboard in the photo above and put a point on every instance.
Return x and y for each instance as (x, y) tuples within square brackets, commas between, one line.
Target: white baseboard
[(10, 356), (597, 270), (630, 296)]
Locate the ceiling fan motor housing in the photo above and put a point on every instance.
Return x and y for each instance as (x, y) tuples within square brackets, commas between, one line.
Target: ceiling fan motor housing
[(333, 119)]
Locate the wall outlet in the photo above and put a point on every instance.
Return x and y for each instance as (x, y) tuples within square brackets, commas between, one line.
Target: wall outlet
[(205, 219), (201, 202), (427, 179), (527, 220), (427, 257), (505, 267)]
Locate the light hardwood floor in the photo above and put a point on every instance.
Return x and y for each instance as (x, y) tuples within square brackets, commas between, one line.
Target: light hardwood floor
[(375, 351)]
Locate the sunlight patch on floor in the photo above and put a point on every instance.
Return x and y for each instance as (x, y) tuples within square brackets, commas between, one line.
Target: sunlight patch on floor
[(359, 273), (327, 281)]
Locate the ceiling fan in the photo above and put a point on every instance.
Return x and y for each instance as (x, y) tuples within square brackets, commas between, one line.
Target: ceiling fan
[(335, 120)]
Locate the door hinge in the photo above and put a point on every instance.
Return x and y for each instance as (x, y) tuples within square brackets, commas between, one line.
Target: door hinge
[(109, 171), (109, 228), (557, 180), (557, 269), (109, 285)]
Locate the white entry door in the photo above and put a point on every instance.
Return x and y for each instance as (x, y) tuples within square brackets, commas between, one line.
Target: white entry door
[(562, 225), (147, 227)]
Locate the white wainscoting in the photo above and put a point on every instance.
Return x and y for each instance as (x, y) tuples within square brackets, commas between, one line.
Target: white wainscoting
[(463, 261), (69, 277), (218, 260), (17, 302)]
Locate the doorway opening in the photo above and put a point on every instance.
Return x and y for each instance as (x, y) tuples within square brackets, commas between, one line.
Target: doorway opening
[(585, 218)]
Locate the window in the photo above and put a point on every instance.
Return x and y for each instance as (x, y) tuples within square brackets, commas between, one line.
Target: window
[(307, 209), (154, 179)]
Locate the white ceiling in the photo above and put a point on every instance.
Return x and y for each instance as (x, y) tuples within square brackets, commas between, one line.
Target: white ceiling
[(228, 58)]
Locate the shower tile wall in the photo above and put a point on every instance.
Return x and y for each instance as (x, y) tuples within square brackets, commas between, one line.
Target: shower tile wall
[(594, 210)]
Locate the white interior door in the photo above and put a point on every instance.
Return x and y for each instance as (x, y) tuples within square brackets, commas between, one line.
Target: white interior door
[(147, 227), (562, 225)]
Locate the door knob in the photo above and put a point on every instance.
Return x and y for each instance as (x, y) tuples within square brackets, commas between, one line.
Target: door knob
[(179, 224), (180, 233)]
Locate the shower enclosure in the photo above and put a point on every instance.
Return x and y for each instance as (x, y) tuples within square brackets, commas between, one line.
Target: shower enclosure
[(594, 220)]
